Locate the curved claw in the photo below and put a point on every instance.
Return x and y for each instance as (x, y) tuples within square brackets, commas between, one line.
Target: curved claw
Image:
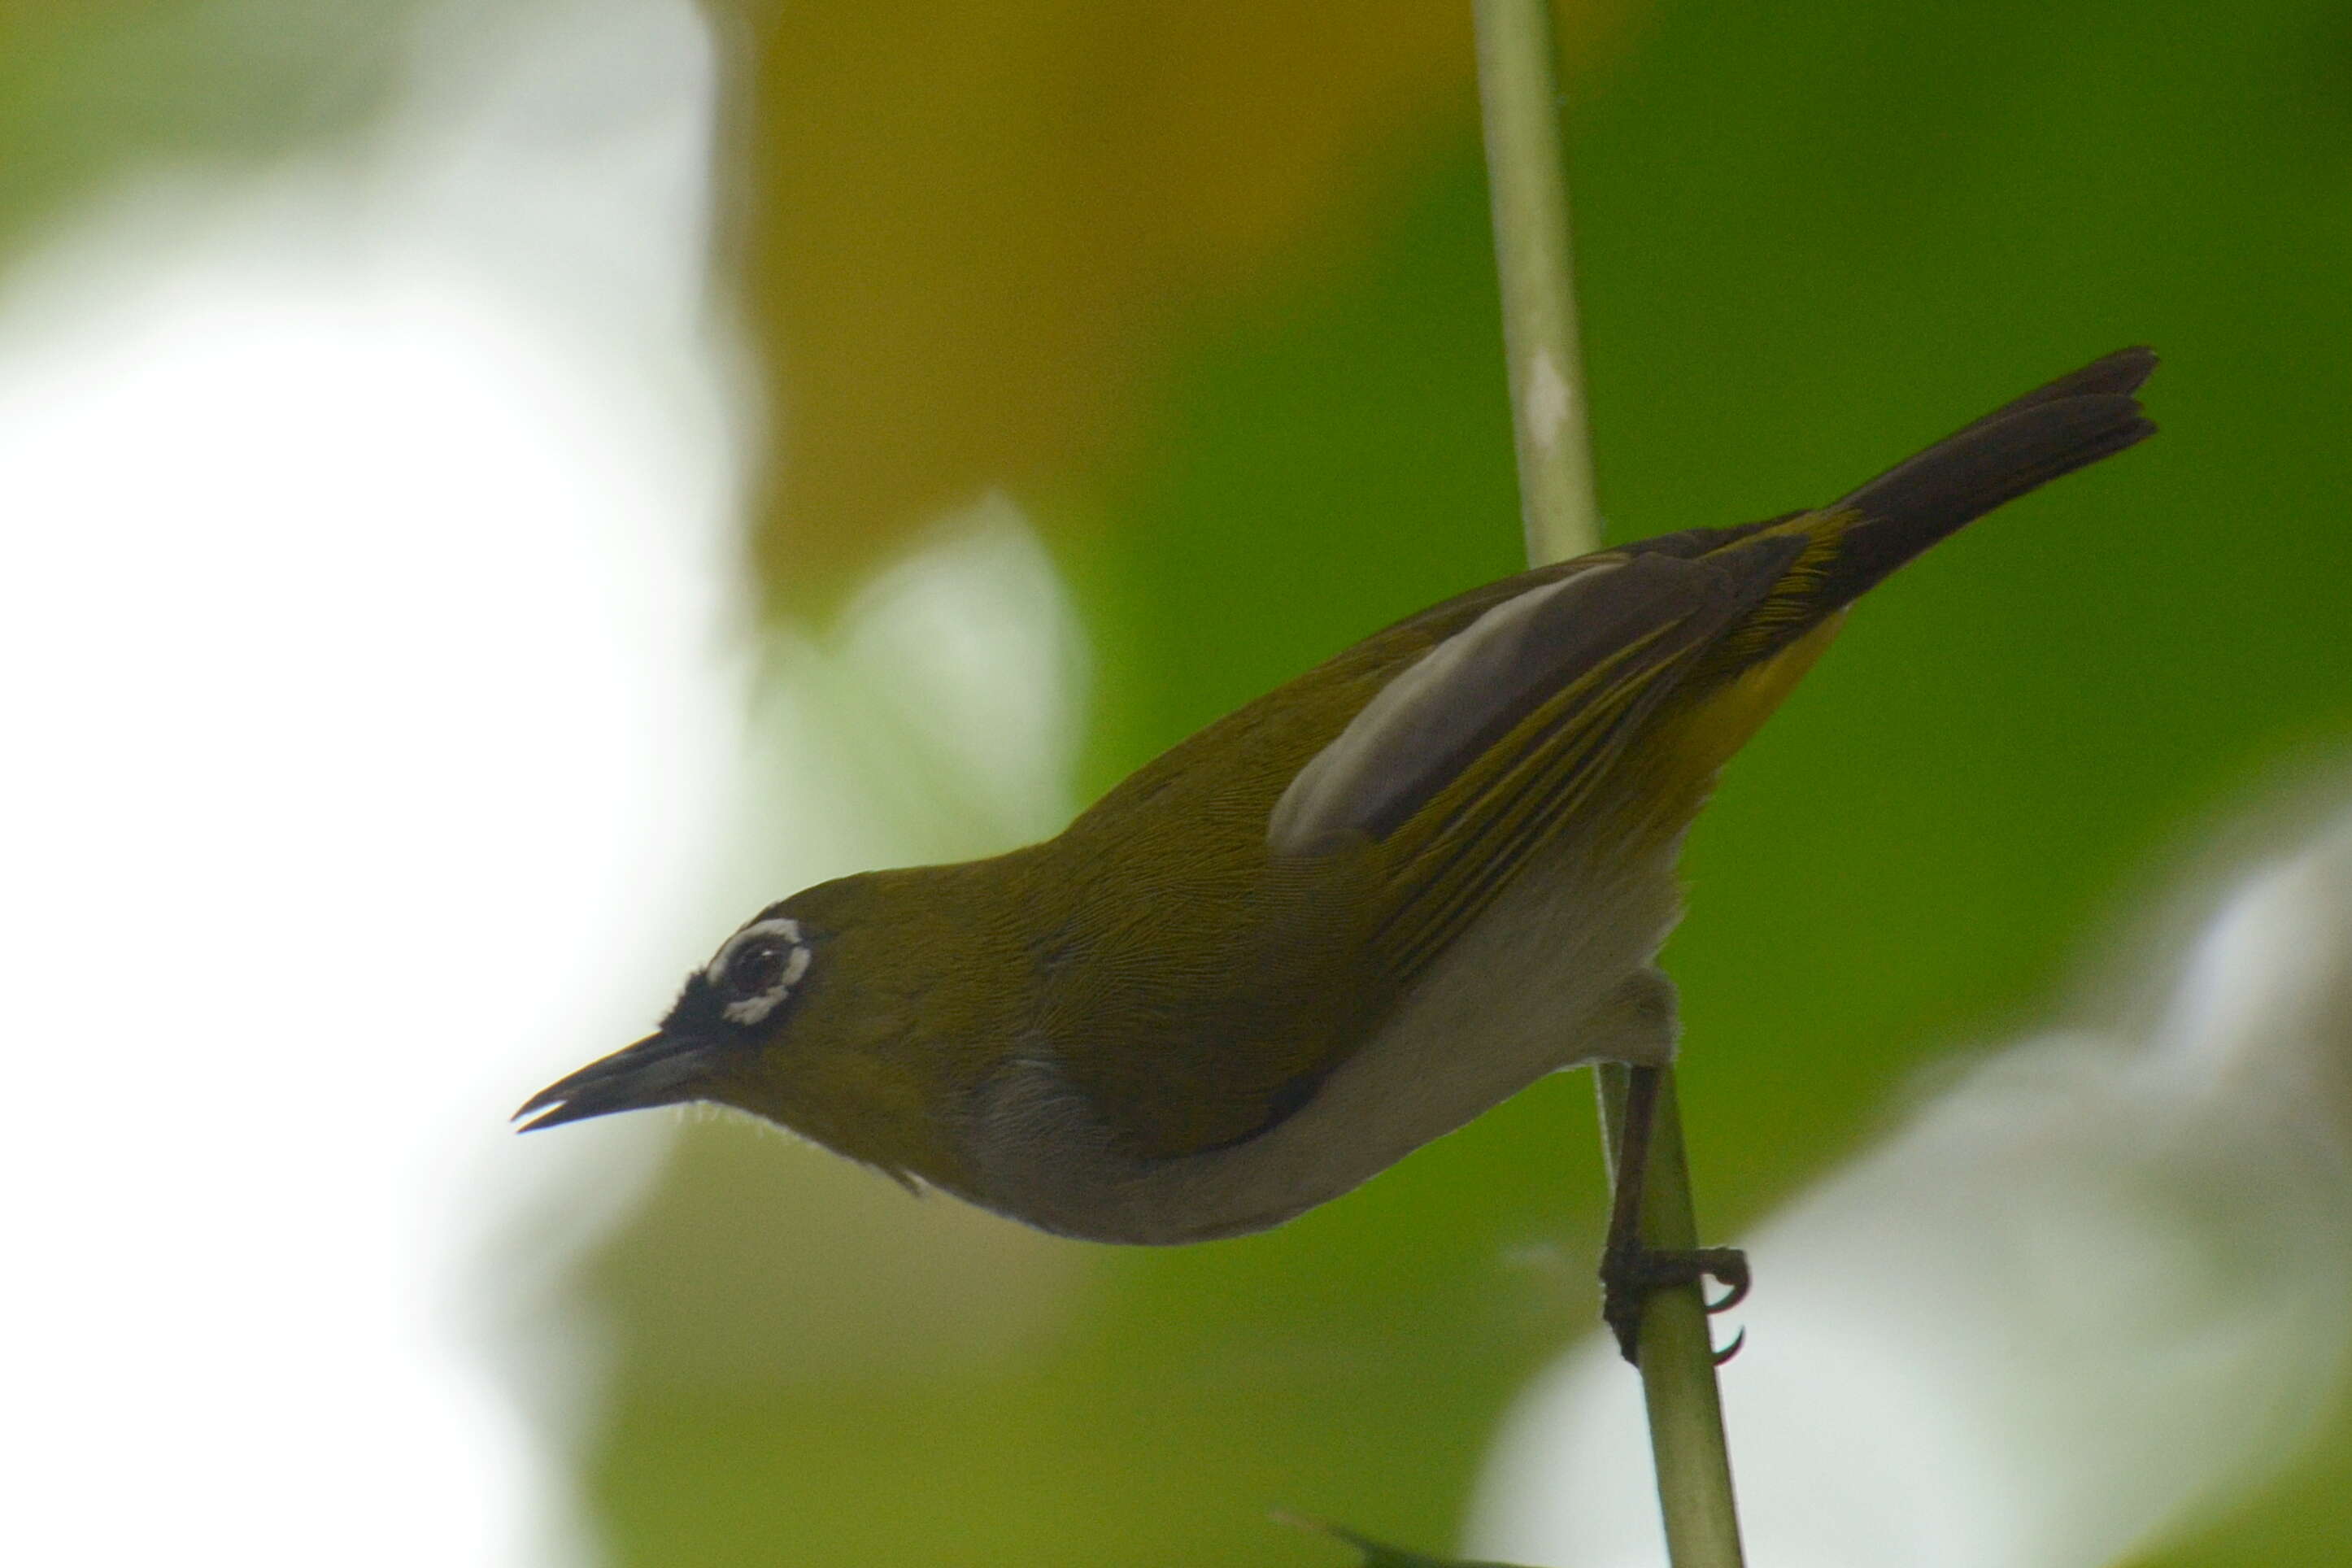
[(1629, 1275), (1735, 1291), (1728, 1351)]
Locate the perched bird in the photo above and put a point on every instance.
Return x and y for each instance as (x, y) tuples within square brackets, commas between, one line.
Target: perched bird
[(1340, 921)]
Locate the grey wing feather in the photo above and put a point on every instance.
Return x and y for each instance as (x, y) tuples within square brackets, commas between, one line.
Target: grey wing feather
[(1461, 698)]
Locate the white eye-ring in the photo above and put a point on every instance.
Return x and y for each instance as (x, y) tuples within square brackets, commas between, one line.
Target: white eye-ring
[(758, 968)]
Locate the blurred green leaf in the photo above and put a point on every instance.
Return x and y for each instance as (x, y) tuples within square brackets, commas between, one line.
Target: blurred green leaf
[(99, 91)]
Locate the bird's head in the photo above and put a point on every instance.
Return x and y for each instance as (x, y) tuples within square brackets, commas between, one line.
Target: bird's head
[(732, 1015), (812, 1015)]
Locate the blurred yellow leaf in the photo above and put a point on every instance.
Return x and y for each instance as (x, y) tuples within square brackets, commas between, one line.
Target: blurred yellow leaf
[(966, 227)]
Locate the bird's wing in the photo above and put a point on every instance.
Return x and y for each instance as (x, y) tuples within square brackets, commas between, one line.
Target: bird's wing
[(1474, 755), (1338, 861), (1483, 722)]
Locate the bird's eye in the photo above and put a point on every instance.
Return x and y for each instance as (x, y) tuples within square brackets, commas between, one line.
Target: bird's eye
[(754, 971), (758, 969)]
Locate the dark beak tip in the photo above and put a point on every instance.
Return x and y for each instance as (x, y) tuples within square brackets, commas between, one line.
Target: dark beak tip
[(550, 1109), (542, 1113), (547, 1103), (652, 1072), (567, 1099)]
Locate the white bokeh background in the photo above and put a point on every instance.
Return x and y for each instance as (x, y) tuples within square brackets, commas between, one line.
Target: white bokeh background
[(380, 709), (372, 711)]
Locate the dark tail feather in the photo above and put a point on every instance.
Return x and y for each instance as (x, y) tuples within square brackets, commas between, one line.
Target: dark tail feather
[(2051, 431)]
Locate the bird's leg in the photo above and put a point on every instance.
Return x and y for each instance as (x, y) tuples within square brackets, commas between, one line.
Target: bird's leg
[(1630, 1270)]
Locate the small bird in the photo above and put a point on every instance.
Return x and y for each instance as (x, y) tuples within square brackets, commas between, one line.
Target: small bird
[(1340, 921)]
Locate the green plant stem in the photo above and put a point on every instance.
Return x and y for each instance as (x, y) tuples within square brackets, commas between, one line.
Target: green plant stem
[(1686, 1442), (1519, 88)]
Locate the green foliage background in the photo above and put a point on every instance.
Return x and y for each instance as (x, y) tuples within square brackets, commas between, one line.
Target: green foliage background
[(1811, 239)]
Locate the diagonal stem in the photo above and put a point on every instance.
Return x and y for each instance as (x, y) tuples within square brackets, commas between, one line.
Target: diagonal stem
[(1518, 89)]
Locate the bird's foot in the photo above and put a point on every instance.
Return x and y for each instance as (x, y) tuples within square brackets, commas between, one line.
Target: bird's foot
[(1631, 1274)]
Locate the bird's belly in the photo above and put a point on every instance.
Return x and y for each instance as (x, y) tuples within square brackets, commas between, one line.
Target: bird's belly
[(1555, 974)]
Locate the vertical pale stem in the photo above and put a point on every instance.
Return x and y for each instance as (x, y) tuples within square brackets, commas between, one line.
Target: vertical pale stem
[(1686, 1442), (1518, 88)]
